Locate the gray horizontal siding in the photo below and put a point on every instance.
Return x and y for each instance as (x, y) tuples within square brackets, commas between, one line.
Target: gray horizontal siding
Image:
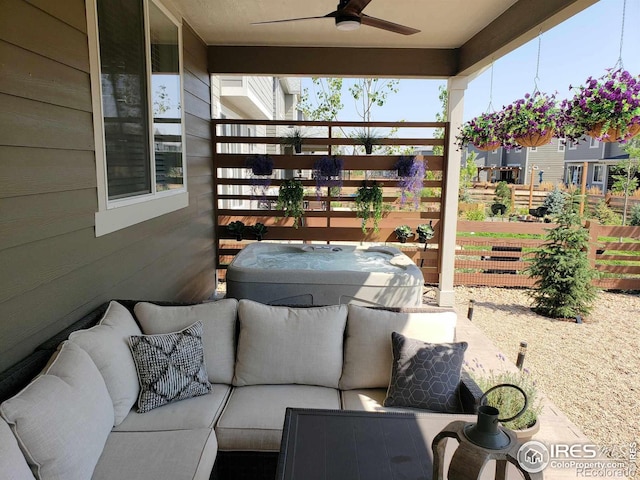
[(54, 268)]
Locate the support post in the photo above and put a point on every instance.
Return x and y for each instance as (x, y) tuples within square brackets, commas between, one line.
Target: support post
[(449, 217), (583, 186)]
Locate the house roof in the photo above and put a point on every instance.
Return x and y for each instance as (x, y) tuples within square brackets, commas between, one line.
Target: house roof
[(456, 36)]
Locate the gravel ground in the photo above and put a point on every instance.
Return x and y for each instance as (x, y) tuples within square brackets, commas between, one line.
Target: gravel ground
[(590, 371)]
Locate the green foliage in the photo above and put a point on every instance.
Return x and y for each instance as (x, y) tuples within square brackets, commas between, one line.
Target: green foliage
[(324, 102), (503, 194), (259, 230), (425, 231), (475, 215), (561, 269), (441, 116), (403, 231), (369, 205), (554, 202), (236, 228), (605, 215), (625, 174), (290, 197), (293, 138), (635, 215), (468, 172)]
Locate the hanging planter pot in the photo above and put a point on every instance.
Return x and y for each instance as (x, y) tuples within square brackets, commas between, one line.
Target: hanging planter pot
[(483, 132), (614, 134), (261, 167), (294, 138), (411, 174), (237, 229), (534, 138), (327, 171), (487, 147), (368, 138), (403, 232)]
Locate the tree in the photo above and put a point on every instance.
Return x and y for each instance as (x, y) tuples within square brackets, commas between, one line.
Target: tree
[(563, 275), (625, 173), (467, 174), (554, 202), (324, 102), (441, 116)]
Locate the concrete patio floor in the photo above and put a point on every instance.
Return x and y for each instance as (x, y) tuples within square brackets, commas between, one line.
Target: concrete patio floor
[(555, 427)]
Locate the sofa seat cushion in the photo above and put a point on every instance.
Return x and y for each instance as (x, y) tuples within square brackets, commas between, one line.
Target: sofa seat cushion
[(254, 415), (13, 465), (193, 413), (219, 330), (367, 349), (63, 417), (175, 455), (106, 344), (371, 400), (281, 345)]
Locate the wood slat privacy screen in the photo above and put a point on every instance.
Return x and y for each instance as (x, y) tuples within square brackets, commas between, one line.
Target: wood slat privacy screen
[(328, 216)]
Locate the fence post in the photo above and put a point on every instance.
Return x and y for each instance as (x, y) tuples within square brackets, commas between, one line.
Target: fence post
[(592, 228), (470, 310)]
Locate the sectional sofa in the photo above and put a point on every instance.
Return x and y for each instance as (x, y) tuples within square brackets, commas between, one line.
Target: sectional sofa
[(80, 417)]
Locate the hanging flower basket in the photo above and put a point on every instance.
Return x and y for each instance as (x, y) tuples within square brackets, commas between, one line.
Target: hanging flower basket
[(484, 132), (534, 138), (327, 171), (411, 173), (260, 165), (606, 108), (614, 134), (487, 147)]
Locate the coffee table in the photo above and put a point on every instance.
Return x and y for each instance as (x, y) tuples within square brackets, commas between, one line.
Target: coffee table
[(356, 445)]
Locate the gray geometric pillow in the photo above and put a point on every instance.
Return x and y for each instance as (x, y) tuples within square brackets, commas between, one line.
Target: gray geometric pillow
[(170, 367), (425, 375)]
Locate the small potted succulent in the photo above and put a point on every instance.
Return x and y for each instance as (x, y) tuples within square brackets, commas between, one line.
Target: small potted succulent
[(411, 174), (425, 232), (290, 200), (403, 232), (236, 229), (369, 204), (484, 132), (327, 171), (294, 138), (607, 108), (368, 138), (259, 230), (530, 121)]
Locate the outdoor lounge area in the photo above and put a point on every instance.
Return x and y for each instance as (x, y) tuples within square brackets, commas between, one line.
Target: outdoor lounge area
[(123, 176)]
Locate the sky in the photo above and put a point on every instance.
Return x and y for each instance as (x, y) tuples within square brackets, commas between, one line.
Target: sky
[(585, 45)]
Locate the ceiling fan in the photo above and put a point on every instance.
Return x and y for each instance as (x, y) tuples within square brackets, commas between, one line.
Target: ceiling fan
[(348, 16)]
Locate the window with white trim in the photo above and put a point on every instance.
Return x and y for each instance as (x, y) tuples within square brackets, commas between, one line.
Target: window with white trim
[(561, 144), (593, 143), (136, 73), (598, 174), (533, 149)]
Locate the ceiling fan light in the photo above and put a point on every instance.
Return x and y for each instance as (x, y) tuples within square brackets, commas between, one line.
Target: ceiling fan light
[(347, 23)]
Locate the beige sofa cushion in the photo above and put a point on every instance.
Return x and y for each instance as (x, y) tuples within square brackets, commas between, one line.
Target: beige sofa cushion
[(12, 462), (174, 455), (190, 414), (281, 345), (254, 415), (367, 355), (371, 400), (219, 330), (106, 344), (62, 418)]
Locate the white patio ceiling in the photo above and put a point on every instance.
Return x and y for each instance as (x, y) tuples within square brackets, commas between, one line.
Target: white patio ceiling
[(457, 36)]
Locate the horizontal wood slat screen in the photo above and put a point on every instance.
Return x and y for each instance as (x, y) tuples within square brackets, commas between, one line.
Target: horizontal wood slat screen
[(328, 218)]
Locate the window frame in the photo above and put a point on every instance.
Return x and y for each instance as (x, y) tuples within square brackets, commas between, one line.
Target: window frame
[(117, 214), (594, 143)]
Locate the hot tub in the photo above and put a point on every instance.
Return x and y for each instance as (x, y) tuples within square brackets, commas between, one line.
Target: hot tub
[(287, 274)]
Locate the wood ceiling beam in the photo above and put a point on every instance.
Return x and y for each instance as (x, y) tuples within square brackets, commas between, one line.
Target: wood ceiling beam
[(333, 61), (520, 23)]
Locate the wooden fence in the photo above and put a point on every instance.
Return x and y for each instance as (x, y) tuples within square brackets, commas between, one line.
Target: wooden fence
[(489, 254)]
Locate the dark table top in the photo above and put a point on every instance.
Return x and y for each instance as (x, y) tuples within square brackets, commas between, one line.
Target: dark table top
[(354, 445)]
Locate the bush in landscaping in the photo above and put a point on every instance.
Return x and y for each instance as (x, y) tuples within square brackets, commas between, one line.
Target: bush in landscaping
[(605, 214), (503, 194), (563, 275), (634, 219), (475, 215), (554, 202)]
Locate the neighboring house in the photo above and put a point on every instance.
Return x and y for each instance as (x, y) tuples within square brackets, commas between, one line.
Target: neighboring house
[(256, 98), (599, 158)]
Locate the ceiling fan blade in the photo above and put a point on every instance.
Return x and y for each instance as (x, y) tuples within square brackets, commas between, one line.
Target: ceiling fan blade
[(328, 15), (355, 6), (386, 25)]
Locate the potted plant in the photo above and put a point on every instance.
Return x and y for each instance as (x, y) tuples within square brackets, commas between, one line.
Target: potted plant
[(259, 230), (403, 232), (369, 204), (294, 138), (261, 167), (425, 232), (530, 121), (484, 132), (411, 174), (290, 197), (237, 229), (607, 108), (368, 138), (327, 171)]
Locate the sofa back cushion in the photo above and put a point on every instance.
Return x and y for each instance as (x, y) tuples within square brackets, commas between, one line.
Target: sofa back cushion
[(219, 330), (107, 345), (13, 465), (368, 357), (282, 345), (62, 418)]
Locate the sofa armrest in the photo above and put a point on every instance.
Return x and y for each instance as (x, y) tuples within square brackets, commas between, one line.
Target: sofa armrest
[(469, 394)]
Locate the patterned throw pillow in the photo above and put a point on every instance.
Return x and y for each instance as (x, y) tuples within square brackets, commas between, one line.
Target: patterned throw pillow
[(170, 367), (425, 375)]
